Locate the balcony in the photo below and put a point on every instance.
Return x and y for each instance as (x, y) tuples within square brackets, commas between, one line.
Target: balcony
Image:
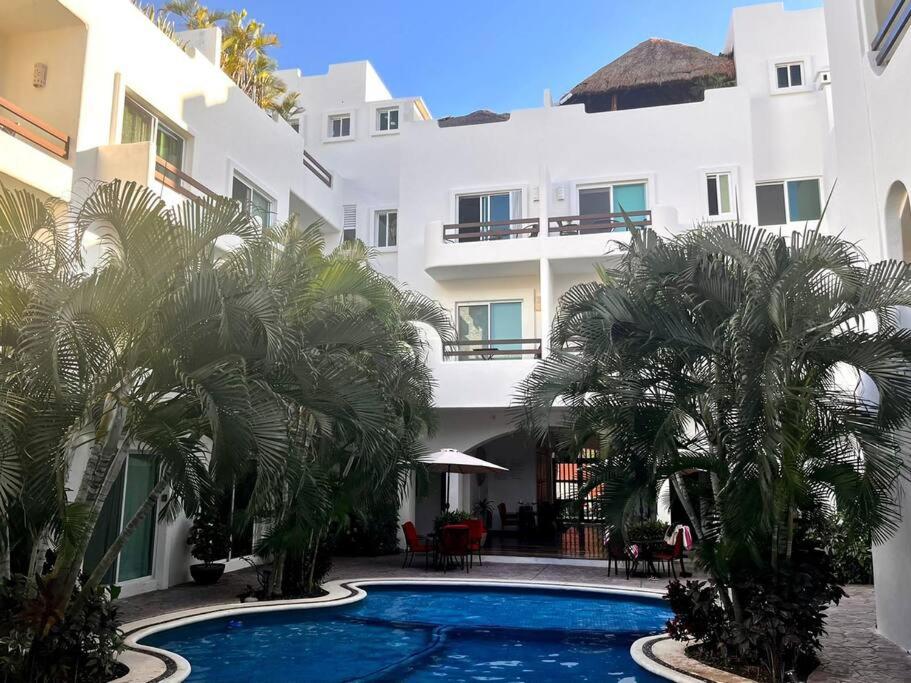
[(173, 178), (19, 123), (491, 349), (573, 244), (317, 169), (34, 153), (891, 31), (487, 231), (596, 224)]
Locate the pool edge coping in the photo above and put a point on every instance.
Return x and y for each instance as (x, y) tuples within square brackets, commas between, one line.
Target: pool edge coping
[(146, 662), (643, 653)]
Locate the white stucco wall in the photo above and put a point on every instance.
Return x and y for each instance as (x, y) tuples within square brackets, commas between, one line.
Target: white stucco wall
[(873, 147)]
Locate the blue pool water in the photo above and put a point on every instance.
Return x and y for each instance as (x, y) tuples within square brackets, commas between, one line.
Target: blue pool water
[(433, 633)]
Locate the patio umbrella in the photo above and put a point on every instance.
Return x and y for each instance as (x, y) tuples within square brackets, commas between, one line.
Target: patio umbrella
[(450, 460)]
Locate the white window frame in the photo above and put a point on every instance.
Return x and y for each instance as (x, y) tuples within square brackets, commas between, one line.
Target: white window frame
[(352, 126), (376, 229), (806, 66), (735, 193), (379, 111), (245, 179), (787, 202)]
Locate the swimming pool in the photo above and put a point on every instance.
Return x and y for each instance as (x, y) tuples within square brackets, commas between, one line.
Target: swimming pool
[(427, 633)]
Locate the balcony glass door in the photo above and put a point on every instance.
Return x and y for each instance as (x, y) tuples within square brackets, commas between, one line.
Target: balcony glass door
[(482, 208), (630, 199), (487, 322), (129, 492)]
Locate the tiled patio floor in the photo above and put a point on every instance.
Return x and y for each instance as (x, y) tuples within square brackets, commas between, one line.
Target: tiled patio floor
[(852, 652)]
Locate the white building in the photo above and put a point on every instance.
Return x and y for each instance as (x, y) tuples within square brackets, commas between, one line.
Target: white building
[(483, 212)]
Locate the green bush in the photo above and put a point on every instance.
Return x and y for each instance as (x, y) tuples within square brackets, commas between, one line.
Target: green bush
[(651, 530), (450, 517), (781, 623), (81, 647), (850, 548), (370, 533)]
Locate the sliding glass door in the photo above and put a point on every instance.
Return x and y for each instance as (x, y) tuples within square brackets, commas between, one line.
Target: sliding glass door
[(130, 491), (488, 322), (483, 208)]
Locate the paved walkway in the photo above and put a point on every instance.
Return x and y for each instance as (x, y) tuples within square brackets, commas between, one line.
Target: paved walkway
[(852, 652)]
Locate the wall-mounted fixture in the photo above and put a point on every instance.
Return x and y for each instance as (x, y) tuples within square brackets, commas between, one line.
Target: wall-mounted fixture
[(39, 77), (560, 192)]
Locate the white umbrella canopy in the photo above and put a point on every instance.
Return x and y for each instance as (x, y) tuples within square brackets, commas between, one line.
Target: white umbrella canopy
[(450, 460)]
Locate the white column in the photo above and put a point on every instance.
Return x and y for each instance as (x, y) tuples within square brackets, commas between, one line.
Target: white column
[(547, 305), (407, 508)]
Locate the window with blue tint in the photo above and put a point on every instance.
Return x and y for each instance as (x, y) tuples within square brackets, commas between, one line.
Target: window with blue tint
[(803, 200), (630, 199), (506, 322)]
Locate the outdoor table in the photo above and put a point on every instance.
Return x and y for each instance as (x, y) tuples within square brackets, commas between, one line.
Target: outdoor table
[(647, 550)]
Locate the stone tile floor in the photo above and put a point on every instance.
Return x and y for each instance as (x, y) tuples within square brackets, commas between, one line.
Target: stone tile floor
[(852, 652)]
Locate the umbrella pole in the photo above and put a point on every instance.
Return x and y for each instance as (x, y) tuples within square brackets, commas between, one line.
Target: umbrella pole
[(448, 474)]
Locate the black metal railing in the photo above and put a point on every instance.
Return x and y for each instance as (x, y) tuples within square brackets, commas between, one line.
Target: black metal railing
[(492, 349), (891, 31), (317, 168)]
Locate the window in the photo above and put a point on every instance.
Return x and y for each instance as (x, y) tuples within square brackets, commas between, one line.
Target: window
[(720, 190), (496, 208), (616, 198), (349, 222), (139, 125), (129, 493), (387, 119), (490, 321), (258, 205), (387, 223), (789, 75), (340, 126), (789, 201)]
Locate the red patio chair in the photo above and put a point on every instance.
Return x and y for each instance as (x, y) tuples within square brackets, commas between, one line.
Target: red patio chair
[(414, 544), (476, 532), (454, 545), (671, 555)]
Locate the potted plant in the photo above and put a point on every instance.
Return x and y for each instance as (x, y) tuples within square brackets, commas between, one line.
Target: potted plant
[(209, 542), (484, 510), (450, 517)]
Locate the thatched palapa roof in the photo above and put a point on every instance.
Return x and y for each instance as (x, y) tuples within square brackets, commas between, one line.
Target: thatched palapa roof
[(654, 62), (472, 119)]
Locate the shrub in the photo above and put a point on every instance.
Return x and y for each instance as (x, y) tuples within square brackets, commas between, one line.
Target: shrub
[(849, 547), (782, 619), (81, 647), (371, 532), (450, 517), (209, 538), (650, 530)]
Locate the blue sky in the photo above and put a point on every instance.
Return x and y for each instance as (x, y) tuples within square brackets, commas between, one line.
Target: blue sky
[(484, 54)]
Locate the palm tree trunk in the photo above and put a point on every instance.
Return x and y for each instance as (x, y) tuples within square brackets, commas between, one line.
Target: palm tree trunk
[(684, 496), (274, 589), (106, 460), (5, 571), (111, 554)]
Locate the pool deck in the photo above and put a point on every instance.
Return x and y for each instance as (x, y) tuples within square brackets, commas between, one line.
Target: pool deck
[(852, 652)]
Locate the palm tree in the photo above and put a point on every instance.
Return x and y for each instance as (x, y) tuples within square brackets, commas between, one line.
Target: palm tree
[(353, 381), (135, 352), (774, 366), (193, 15), (244, 55)]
